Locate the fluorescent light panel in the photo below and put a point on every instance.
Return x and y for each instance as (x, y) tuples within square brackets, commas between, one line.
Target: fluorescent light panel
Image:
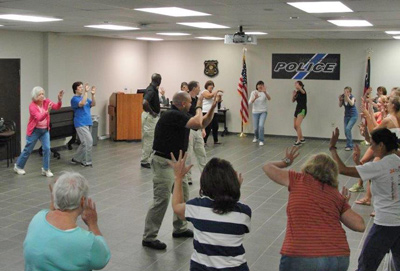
[(111, 27), (209, 38), (256, 33), (396, 37), (150, 39), (205, 25), (393, 32), (27, 18), (321, 7), (350, 23), (173, 12), (173, 34)]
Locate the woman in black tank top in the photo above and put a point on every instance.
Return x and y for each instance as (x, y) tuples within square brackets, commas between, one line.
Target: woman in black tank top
[(300, 96)]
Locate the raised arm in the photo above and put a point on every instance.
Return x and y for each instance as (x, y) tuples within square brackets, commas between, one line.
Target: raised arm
[(180, 170), (275, 170), (84, 96), (210, 114), (93, 91), (195, 122)]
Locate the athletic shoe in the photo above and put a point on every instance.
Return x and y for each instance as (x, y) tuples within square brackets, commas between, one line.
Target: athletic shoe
[(145, 165), (47, 173), (74, 162), (18, 170), (356, 188), (302, 141), (348, 149), (86, 165), (261, 143), (255, 140), (156, 244), (297, 143)]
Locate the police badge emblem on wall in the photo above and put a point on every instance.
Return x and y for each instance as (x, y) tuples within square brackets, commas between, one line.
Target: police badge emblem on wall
[(211, 68)]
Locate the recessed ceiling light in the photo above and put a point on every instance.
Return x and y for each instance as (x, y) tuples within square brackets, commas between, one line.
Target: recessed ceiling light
[(321, 7), (350, 23), (256, 33), (392, 32), (204, 25), (209, 38), (173, 34), (111, 27), (150, 39), (173, 11), (26, 18), (396, 37)]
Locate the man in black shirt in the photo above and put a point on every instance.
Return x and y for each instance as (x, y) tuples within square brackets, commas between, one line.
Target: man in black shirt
[(150, 116), (171, 135)]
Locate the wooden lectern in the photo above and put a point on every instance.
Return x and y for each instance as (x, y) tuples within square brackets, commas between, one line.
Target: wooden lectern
[(125, 112)]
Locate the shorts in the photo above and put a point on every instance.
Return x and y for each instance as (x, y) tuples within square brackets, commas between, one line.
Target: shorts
[(300, 111)]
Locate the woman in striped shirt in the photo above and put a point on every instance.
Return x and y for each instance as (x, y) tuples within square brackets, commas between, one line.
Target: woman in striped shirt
[(219, 219), (315, 239)]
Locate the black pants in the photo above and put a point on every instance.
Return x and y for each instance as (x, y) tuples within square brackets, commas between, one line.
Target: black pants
[(214, 127)]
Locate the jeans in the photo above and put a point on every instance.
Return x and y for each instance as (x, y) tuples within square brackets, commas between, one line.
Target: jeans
[(348, 125), (258, 121), (38, 134), (379, 241), (333, 263)]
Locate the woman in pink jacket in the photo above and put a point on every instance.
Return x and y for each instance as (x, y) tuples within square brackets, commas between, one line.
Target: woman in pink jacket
[(38, 129)]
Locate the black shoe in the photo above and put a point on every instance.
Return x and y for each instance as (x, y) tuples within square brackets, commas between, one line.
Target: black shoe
[(297, 143), (145, 165), (302, 141), (217, 143), (190, 182), (156, 244), (185, 234), (74, 162)]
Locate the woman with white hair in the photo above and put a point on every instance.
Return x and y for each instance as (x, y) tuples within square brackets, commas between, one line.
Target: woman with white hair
[(55, 242), (38, 129)]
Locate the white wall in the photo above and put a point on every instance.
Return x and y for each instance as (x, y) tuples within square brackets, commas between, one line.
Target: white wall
[(27, 46), (109, 64), (183, 61)]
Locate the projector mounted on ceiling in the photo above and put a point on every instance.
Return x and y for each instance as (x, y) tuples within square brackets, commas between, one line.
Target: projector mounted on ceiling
[(240, 38)]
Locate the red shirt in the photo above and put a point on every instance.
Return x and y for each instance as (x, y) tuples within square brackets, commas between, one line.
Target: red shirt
[(36, 116), (313, 224)]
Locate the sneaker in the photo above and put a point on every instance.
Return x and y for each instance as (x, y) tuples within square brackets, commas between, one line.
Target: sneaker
[(356, 188), (74, 162), (86, 165), (348, 149), (261, 143), (156, 244), (255, 140), (185, 234), (18, 170), (302, 141), (47, 173), (145, 165), (297, 143)]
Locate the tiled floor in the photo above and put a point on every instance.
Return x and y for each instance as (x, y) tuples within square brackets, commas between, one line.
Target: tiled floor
[(123, 192)]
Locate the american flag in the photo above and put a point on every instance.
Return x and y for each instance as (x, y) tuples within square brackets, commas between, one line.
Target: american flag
[(242, 89), (367, 75)]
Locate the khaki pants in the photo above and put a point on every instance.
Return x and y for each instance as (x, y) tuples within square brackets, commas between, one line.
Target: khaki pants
[(196, 148), (163, 182), (148, 127)]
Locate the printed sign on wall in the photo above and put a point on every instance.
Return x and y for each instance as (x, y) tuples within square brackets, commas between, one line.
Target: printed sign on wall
[(306, 66)]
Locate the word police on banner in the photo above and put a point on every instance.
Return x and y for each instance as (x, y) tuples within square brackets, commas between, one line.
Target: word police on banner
[(306, 66)]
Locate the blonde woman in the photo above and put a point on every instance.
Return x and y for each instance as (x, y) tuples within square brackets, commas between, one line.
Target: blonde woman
[(313, 192)]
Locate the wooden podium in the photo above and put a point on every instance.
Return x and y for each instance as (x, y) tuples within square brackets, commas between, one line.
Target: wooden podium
[(125, 111)]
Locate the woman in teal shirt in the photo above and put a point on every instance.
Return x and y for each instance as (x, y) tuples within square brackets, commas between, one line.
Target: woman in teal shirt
[(54, 242)]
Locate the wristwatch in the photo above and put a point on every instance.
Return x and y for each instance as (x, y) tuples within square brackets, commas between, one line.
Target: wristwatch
[(287, 161)]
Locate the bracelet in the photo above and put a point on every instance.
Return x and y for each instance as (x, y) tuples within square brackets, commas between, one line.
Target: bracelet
[(197, 107), (331, 148)]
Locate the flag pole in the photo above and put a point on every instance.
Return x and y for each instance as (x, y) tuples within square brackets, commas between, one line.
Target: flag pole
[(242, 134)]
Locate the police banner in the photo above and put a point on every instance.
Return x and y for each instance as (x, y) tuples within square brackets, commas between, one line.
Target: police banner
[(306, 66)]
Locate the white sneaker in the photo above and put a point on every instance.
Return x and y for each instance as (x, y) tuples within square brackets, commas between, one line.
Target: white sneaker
[(261, 143), (18, 170), (47, 173), (255, 140)]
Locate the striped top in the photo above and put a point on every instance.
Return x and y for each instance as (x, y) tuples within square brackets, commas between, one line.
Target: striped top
[(313, 225), (218, 239)]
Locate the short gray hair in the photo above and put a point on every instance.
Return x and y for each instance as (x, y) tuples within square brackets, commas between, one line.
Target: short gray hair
[(35, 92), (69, 190)]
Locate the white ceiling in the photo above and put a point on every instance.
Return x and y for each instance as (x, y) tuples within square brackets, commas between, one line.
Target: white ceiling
[(272, 16)]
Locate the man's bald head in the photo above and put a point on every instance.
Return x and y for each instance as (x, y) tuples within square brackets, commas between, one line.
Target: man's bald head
[(180, 98)]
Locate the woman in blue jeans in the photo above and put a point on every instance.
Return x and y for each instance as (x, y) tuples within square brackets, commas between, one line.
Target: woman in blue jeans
[(350, 115), (259, 99)]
